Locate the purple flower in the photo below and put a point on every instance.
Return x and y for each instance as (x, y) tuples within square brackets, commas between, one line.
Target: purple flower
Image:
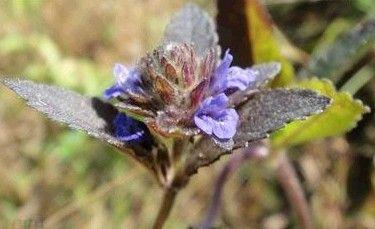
[(214, 118), (127, 81), (130, 130), (226, 78)]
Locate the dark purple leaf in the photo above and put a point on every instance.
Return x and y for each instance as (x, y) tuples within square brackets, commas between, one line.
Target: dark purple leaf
[(264, 112), (83, 113), (90, 115), (263, 74), (266, 72), (205, 153), (192, 25), (268, 110)]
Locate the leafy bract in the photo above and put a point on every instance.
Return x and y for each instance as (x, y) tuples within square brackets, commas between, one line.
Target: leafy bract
[(192, 25), (337, 119), (264, 112), (269, 110), (264, 45), (83, 113), (333, 60), (264, 73), (205, 153)]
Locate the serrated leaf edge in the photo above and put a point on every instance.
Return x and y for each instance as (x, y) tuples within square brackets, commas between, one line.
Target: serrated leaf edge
[(357, 118), (302, 118), (7, 83)]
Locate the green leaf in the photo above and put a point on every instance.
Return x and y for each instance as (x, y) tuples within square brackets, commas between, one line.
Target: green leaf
[(336, 28), (264, 45), (269, 110), (362, 77), (366, 6), (340, 117), (333, 60)]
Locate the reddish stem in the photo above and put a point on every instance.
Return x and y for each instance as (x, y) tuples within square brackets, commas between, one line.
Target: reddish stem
[(288, 179), (234, 163)]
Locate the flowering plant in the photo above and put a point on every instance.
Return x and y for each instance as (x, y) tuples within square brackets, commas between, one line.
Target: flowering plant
[(181, 106)]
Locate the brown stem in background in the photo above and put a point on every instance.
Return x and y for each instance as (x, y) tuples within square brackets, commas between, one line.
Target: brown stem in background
[(289, 182), (232, 29), (234, 163), (166, 207)]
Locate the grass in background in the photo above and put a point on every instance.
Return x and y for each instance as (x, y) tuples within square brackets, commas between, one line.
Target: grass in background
[(69, 180)]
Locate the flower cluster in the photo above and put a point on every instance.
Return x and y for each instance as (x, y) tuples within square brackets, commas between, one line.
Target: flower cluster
[(175, 92), (165, 110)]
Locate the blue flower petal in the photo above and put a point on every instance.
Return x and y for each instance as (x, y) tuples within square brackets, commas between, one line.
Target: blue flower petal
[(240, 78), (214, 118), (226, 78), (226, 124), (127, 80), (205, 123), (218, 82), (225, 63), (113, 92), (121, 73), (130, 130), (213, 104)]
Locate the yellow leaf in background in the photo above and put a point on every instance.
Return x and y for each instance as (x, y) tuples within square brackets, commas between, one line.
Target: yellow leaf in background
[(264, 45), (341, 116)]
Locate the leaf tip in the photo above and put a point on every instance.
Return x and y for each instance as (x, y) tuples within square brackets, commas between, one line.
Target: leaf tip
[(11, 83), (192, 25)]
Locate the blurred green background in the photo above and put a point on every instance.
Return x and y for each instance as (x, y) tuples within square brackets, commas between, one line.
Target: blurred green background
[(65, 179)]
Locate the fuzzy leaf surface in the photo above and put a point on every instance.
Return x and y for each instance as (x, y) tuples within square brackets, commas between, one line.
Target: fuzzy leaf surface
[(265, 73), (90, 115), (340, 117), (334, 59), (205, 153), (269, 110), (192, 25)]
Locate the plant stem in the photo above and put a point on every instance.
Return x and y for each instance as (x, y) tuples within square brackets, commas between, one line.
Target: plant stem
[(288, 179), (238, 158), (165, 209)]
